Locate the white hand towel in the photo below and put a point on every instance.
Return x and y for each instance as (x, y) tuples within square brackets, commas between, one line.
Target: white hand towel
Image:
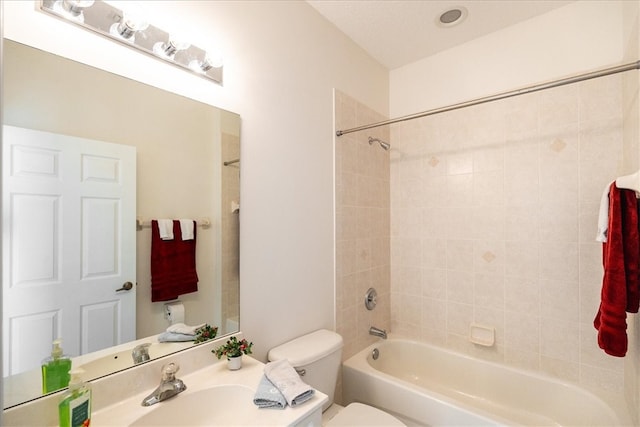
[(165, 226), (603, 216), (186, 227), (181, 328), (175, 337), (287, 380)]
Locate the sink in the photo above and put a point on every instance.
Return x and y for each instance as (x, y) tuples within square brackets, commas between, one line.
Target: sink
[(218, 405)]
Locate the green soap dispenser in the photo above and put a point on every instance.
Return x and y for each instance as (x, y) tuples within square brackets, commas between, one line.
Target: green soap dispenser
[(74, 409), (55, 369)]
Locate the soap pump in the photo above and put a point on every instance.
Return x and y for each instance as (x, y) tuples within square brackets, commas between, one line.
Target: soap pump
[(74, 409), (55, 369)]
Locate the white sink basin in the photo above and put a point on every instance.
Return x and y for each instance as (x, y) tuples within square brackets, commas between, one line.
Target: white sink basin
[(219, 405)]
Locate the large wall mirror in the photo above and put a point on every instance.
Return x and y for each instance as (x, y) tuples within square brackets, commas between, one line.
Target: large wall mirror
[(183, 163)]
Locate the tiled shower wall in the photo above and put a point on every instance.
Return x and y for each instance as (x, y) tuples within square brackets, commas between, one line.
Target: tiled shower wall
[(362, 225), (493, 220)]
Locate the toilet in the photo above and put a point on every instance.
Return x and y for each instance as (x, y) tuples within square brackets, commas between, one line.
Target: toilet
[(317, 357)]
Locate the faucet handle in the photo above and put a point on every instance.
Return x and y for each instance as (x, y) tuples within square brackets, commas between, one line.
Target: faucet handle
[(141, 353), (169, 371)]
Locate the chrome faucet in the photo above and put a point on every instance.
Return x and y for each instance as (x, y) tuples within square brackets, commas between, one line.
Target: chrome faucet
[(140, 353), (169, 386), (378, 332)]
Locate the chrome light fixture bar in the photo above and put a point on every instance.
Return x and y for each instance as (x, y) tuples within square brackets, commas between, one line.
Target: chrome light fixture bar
[(130, 29)]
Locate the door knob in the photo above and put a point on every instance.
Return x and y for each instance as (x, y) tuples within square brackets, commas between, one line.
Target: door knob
[(127, 286)]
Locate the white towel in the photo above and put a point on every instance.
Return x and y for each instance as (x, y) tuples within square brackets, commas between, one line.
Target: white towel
[(186, 227), (181, 328), (287, 380), (603, 215), (165, 226), (175, 337)]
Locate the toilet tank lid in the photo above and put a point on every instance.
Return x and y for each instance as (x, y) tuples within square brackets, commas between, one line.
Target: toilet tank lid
[(308, 348)]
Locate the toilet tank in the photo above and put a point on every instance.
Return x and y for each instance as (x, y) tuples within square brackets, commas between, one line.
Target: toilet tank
[(316, 357)]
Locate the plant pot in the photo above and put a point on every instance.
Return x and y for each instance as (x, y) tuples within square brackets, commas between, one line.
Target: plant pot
[(234, 363)]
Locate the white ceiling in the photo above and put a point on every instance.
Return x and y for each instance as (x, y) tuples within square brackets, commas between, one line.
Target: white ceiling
[(398, 32)]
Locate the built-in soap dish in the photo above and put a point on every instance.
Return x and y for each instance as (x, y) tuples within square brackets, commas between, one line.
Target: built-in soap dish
[(482, 335)]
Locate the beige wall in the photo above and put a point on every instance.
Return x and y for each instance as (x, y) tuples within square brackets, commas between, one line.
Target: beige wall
[(579, 37), (631, 129)]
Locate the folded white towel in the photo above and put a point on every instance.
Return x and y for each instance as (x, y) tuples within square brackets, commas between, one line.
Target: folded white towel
[(181, 328), (165, 226), (175, 337), (186, 227), (603, 215), (287, 380)]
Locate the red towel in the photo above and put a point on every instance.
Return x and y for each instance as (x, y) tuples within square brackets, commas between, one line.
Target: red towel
[(621, 261), (173, 264)]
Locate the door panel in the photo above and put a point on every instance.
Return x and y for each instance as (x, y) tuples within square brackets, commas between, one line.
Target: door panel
[(34, 238), (31, 336), (95, 336), (100, 232)]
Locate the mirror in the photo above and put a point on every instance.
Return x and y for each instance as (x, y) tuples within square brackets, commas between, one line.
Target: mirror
[(187, 166)]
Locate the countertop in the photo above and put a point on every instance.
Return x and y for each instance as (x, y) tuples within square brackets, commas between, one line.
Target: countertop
[(126, 412)]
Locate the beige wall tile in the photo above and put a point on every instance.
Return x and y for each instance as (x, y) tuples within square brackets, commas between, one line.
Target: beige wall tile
[(491, 212), (508, 198)]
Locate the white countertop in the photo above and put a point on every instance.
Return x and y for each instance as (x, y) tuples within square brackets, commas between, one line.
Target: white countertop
[(27, 385), (117, 398), (128, 411)]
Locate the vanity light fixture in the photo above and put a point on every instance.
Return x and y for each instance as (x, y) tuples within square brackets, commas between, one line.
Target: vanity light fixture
[(130, 28)]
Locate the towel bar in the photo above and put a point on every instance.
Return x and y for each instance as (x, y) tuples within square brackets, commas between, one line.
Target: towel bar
[(202, 222)]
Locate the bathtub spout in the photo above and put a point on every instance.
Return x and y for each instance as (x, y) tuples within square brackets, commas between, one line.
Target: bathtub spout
[(378, 332)]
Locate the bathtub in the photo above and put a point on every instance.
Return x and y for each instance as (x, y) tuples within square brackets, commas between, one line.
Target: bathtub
[(426, 385)]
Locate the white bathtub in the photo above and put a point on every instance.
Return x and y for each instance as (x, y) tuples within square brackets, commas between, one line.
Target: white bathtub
[(431, 386)]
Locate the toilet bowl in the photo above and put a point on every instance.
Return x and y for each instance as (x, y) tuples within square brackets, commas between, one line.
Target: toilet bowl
[(317, 357), (358, 414)]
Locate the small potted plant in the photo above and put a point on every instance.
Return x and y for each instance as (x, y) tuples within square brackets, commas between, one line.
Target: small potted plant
[(205, 333), (234, 350)]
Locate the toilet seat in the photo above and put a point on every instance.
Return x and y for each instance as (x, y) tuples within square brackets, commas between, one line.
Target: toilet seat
[(357, 414)]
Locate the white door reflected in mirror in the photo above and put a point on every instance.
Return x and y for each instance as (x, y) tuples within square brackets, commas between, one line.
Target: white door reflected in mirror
[(79, 197)]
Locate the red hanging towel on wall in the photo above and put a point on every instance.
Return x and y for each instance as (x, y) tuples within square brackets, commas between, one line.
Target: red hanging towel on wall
[(621, 261), (173, 264)]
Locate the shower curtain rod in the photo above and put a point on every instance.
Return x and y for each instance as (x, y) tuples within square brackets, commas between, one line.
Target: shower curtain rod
[(503, 95)]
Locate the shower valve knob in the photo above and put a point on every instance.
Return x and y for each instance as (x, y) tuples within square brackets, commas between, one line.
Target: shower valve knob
[(370, 299)]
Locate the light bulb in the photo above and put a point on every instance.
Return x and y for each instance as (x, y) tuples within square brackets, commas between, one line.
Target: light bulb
[(170, 47), (72, 9), (132, 21), (208, 62)]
